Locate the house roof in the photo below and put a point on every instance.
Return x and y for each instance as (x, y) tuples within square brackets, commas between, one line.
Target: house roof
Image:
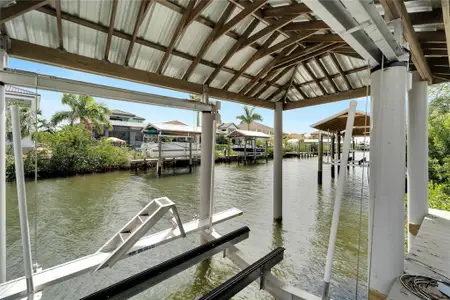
[(173, 129), (337, 123), (226, 125), (256, 57), (175, 122), (255, 125), (122, 113), (15, 90), (127, 124), (248, 134)]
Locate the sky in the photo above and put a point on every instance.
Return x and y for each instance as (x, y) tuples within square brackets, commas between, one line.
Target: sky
[(294, 121)]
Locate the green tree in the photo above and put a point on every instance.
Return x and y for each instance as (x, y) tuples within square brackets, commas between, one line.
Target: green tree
[(92, 115), (249, 116)]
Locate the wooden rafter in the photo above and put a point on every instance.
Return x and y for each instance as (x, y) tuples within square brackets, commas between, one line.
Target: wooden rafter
[(59, 24), (307, 56), (199, 8), (327, 38), (254, 58), (209, 41), (143, 9), (312, 25), (446, 16), (299, 89), (266, 69), (351, 54), (125, 36), (111, 28), (285, 87), (356, 93), (341, 72), (232, 51), (301, 53), (36, 53), (287, 42), (397, 9), (272, 81), (356, 70), (181, 28), (269, 29), (240, 16), (311, 74), (325, 72), (287, 10), (257, 88), (20, 8)]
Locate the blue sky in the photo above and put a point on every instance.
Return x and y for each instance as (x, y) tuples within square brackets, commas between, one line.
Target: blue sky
[(297, 121)]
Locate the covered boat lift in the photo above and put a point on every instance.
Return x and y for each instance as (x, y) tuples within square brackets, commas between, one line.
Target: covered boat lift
[(249, 150), (279, 56)]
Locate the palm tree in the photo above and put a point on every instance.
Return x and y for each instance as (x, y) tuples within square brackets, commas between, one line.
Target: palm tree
[(249, 116), (85, 110)]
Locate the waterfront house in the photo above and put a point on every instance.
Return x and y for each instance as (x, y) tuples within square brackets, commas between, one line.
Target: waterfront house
[(226, 128), (256, 126), (126, 126)]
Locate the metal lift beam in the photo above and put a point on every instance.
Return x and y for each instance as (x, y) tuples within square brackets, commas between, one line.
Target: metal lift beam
[(150, 277), (238, 282)]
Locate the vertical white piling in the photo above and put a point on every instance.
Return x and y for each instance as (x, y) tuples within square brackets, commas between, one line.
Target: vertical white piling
[(22, 198), (206, 166), (277, 163), (333, 147), (417, 155), (338, 198), (387, 178), (320, 160), (3, 65)]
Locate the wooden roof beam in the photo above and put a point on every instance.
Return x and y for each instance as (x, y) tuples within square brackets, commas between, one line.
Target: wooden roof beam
[(280, 90), (287, 42), (54, 57), (347, 95), (446, 16), (20, 8), (240, 16), (311, 25), (397, 9), (195, 13), (287, 10), (209, 41), (232, 51), (59, 24), (269, 29), (254, 58), (325, 72), (299, 90), (272, 80), (143, 9), (427, 18), (112, 20), (311, 74), (265, 70), (181, 28), (341, 71)]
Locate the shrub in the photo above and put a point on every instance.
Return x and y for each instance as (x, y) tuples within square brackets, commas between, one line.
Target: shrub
[(438, 196)]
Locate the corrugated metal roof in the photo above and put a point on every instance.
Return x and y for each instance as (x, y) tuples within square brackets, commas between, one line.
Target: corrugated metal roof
[(10, 89)]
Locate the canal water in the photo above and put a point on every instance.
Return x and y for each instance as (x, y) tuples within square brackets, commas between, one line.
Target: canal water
[(76, 215)]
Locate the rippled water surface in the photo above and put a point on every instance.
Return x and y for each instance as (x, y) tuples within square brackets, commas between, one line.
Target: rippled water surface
[(77, 215)]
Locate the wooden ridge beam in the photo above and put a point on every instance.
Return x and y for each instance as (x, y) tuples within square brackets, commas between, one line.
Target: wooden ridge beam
[(232, 51), (307, 56), (254, 58), (347, 95), (181, 28), (240, 16), (20, 8), (325, 72), (112, 20), (397, 9), (265, 70), (120, 34), (209, 41), (143, 9), (287, 42), (287, 10), (54, 57), (59, 24), (269, 29), (311, 25), (446, 17), (340, 70)]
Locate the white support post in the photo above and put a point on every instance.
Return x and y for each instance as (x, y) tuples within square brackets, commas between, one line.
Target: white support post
[(387, 178), (320, 160), (277, 163), (206, 166), (338, 198), (22, 198), (417, 157), (3, 65)]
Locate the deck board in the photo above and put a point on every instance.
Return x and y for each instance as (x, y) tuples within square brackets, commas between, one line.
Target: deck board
[(429, 254)]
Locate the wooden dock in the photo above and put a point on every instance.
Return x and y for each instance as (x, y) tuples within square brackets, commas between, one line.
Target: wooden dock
[(429, 255)]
